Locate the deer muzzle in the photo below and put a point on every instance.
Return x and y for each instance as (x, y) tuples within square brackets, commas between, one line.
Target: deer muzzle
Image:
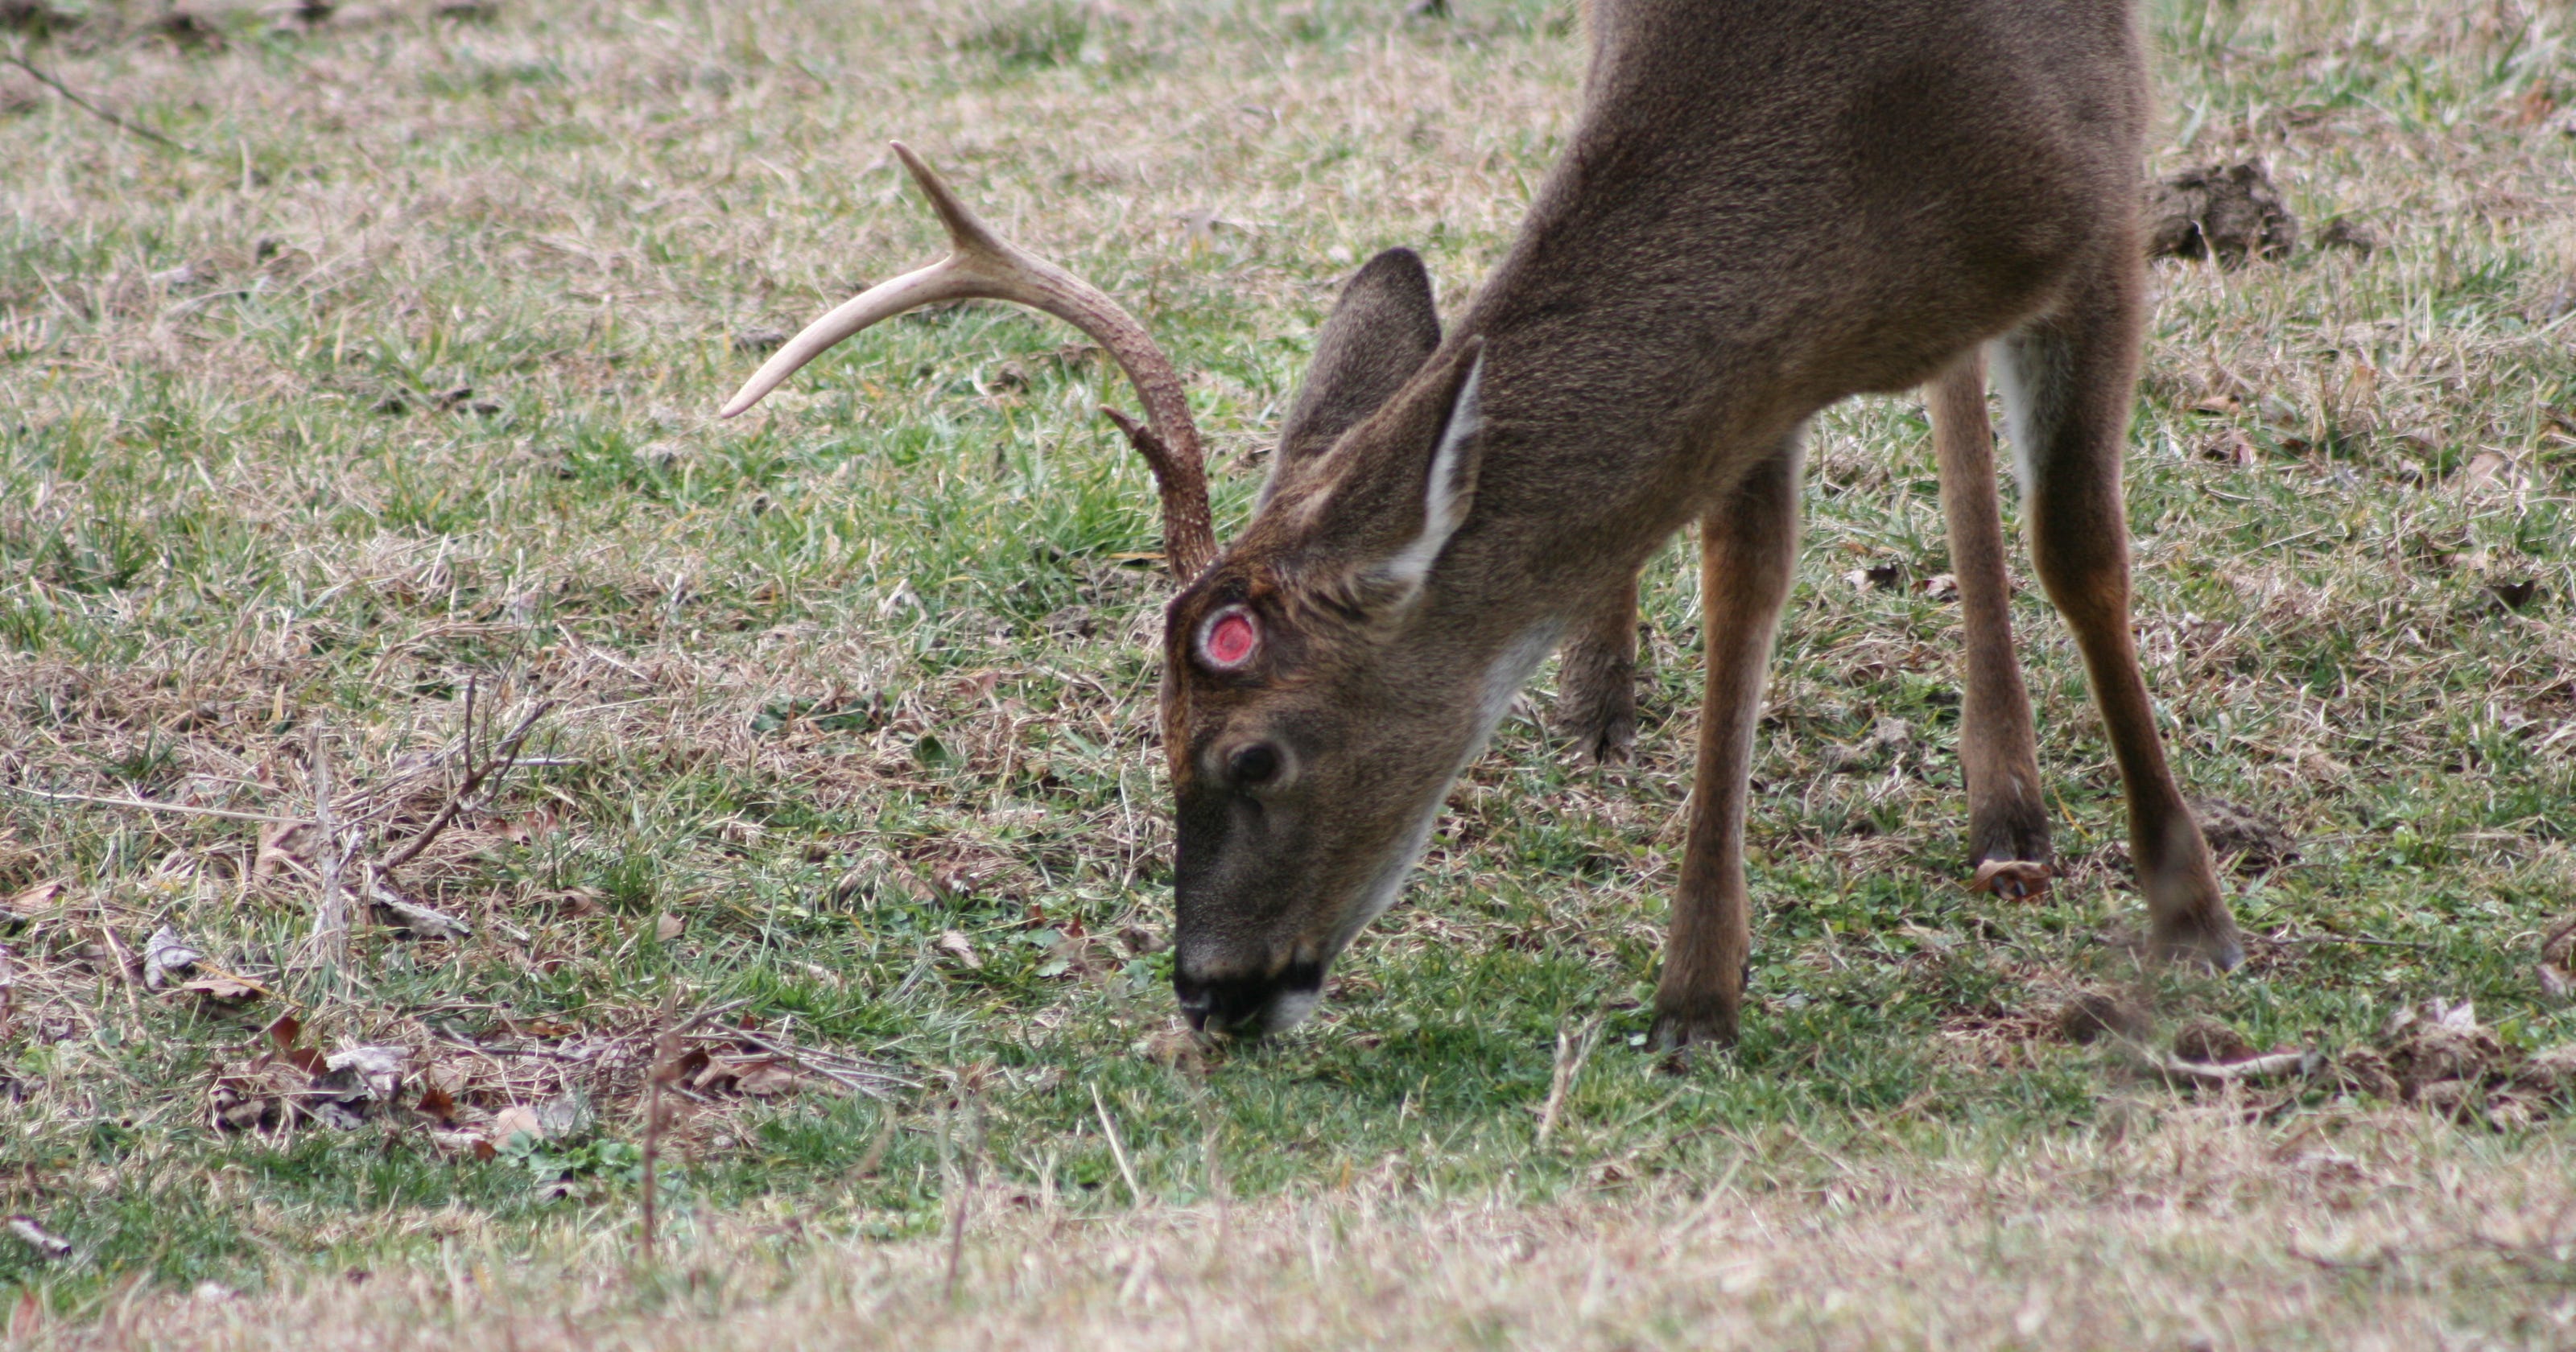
[(1248, 1004)]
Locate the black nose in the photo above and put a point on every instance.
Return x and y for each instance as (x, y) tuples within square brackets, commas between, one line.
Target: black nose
[(1241, 1006)]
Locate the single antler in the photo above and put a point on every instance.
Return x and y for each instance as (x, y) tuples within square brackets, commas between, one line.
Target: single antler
[(980, 266)]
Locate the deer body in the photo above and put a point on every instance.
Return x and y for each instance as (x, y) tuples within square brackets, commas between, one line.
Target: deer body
[(1764, 208)]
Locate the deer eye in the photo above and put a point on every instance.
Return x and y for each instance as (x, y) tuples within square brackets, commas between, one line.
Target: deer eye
[(1253, 766), (1229, 638)]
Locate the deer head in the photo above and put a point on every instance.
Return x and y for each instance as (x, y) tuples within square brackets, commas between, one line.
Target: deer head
[(1319, 693)]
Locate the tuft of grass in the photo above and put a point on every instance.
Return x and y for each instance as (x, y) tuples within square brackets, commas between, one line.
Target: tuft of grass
[(404, 387)]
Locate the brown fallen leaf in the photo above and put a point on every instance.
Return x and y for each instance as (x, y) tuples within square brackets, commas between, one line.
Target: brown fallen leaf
[(955, 941), (515, 1120), (473, 1143), (41, 897), (225, 987), (2486, 468), (764, 1079), (284, 847), (668, 927), (2012, 879), (2558, 960), (285, 1033), (2230, 446), (437, 1105), (1876, 577), (2515, 593)]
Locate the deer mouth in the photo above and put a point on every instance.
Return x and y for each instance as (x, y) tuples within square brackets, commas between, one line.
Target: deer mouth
[(1250, 1007)]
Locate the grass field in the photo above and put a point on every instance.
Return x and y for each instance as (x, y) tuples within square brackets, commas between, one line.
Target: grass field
[(382, 371)]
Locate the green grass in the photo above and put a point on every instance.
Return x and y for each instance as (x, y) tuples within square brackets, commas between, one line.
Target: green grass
[(877, 666)]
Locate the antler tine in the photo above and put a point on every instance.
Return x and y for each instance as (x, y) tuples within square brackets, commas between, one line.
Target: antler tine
[(982, 266)]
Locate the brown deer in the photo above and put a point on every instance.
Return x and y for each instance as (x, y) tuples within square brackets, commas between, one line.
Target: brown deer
[(1764, 208)]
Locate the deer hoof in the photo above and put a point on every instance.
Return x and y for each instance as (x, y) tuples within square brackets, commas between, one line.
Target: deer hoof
[(2200, 942), (1602, 724), (2014, 835), (1685, 1037)]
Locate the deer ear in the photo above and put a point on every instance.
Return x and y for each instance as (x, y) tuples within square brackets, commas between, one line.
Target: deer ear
[(1449, 490), (1380, 332)]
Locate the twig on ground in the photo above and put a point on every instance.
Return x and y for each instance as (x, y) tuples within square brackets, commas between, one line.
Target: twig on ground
[(667, 1051), (691, 1024), (1572, 1050), (850, 1074), (964, 1199), (476, 773), (2253, 1070), (1117, 1148), (145, 805), (330, 921), (94, 110), (2362, 940), (124, 964)]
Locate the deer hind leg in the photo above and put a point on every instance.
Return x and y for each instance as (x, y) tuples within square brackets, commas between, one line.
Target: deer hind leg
[(1596, 702), (2067, 382), (1748, 553), (1998, 751)]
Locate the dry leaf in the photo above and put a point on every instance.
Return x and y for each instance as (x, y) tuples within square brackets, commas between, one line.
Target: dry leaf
[(284, 1034), (41, 897), (529, 828), (36, 1237), (166, 955), (955, 942), (224, 987), (419, 921), (379, 1069), (768, 1077), (2516, 593), (566, 1114), (468, 1142), (2558, 960), (283, 847), (2232, 447), (2485, 468), (2012, 879), (517, 1120), (668, 927)]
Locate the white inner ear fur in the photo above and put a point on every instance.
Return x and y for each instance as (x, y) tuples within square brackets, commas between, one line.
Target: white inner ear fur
[(1445, 499)]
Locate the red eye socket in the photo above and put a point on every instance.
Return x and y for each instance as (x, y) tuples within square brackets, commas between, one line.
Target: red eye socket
[(1229, 639)]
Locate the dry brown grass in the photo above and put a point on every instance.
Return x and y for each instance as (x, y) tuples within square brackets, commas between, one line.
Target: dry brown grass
[(2356, 1232)]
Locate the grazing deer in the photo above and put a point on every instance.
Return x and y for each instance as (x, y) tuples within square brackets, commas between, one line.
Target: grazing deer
[(1764, 208)]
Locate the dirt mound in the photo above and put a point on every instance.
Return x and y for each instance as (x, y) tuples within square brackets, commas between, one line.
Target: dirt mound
[(2230, 212)]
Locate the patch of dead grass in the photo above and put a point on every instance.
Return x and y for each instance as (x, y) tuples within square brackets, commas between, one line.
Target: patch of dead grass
[(2372, 1231)]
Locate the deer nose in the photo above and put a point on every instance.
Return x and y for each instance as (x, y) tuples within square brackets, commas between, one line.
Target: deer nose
[(1248, 1005)]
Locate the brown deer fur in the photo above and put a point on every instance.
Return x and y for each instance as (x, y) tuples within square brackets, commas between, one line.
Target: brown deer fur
[(1764, 208)]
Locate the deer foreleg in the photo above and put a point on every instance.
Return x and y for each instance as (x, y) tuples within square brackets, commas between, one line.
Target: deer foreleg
[(1596, 702), (1998, 751), (1748, 554)]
